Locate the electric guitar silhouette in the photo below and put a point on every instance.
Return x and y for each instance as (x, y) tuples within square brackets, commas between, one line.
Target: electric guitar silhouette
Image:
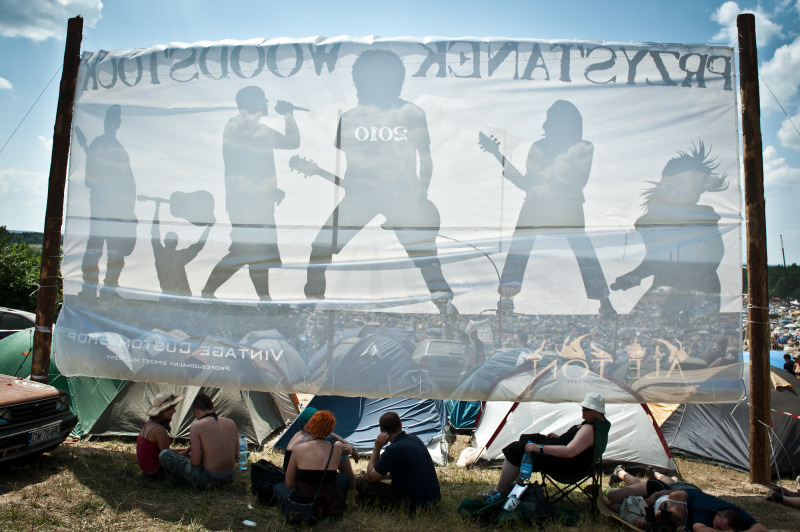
[(492, 145), (309, 168)]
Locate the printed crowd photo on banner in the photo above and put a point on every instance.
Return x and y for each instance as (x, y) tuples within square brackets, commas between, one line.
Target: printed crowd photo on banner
[(475, 219)]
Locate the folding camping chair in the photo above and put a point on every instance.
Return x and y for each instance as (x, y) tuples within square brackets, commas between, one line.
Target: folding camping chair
[(581, 483)]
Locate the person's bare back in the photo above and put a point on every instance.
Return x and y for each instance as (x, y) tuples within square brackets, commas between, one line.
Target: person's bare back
[(215, 444)]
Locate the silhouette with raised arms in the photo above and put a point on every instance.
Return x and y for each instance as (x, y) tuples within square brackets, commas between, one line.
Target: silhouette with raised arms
[(170, 261)]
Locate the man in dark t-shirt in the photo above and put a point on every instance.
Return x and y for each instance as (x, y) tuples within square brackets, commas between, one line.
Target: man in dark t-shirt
[(406, 462)]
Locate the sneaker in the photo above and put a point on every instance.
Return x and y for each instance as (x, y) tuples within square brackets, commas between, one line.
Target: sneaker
[(774, 496), (797, 481), (615, 477)]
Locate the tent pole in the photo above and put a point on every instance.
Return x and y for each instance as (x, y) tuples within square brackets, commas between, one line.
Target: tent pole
[(758, 302), (51, 246)]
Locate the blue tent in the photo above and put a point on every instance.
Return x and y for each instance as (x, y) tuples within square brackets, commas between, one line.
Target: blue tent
[(463, 415), (357, 421)]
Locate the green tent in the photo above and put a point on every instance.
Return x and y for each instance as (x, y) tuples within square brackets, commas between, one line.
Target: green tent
[(109, 407)]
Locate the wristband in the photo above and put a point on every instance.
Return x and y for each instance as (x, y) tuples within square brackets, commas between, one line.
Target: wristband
[(541, 448)]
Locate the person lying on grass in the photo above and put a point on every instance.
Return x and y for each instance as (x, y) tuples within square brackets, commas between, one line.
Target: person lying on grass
[(681, 503)]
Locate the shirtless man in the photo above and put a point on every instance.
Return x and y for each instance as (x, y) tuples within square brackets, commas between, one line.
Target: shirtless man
[(214, 448)]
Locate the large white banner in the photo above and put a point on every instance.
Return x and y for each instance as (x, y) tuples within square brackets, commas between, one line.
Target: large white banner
[(451, 218)]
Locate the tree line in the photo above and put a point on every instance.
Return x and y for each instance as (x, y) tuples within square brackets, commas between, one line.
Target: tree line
[(20, 262), (782, 282)]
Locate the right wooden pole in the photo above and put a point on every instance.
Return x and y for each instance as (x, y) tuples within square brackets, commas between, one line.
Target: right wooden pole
[(758, 301)]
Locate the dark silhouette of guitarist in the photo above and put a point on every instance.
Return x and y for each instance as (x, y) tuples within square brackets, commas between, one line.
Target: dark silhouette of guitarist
[(384, 139), (557, 169)]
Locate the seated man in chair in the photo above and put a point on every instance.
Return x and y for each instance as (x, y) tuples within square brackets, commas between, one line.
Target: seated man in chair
[(568, 455)]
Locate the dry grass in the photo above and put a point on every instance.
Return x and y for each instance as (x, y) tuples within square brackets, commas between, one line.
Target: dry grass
[(97, 485)]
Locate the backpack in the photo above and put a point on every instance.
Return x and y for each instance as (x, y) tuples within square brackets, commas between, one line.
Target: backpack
[(263, 476)]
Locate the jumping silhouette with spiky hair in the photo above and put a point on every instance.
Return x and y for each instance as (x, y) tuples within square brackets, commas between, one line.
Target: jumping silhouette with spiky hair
[(682, 264)]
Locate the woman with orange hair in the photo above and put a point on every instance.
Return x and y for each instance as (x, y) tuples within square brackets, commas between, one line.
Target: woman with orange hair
[(313, 466)]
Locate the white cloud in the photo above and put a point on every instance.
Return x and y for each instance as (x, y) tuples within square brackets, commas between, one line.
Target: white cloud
[(778, 174), (782, 74), (5, 84), (725, 16), (788, 134), (47, 142), (23, 199), (39, 20)]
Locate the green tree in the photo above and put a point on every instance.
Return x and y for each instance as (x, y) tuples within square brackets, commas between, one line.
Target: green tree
[(19, 272), (779, 290)]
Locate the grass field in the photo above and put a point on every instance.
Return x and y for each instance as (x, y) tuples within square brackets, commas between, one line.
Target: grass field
[(97, 485)]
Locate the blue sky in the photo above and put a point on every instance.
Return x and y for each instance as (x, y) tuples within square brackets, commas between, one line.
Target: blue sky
[(32, 34)]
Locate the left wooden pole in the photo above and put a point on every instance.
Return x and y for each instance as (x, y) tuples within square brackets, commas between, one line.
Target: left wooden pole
[(51, 247)]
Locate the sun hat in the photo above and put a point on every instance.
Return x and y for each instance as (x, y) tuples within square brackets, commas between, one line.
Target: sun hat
[(305, 415), (594, 401), (163, 401)]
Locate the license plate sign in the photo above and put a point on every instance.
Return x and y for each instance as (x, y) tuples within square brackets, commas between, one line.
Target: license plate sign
[(48, 432)]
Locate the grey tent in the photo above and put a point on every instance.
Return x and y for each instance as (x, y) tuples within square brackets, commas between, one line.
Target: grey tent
[(721, 431)]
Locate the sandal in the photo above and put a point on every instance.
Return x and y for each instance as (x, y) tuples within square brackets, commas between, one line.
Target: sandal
[(492, 495), (615, 475), (774, 496)]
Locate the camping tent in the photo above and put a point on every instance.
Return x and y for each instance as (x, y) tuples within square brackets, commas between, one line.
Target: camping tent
[(117, 407), (357, 421), (360, 366), (634, 438), (721, 431), (463, 415)]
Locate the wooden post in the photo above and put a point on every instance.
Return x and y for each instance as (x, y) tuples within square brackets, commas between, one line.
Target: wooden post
[(756, 251), (51, 247)]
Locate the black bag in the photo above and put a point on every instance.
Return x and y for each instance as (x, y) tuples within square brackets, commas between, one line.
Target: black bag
[(263, 476), (296, 510)]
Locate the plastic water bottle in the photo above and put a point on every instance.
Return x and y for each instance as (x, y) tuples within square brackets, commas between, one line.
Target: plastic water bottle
[(512, 503), (525, 468), (242, 453)]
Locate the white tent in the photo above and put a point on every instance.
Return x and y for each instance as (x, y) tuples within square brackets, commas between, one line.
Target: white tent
[(634, 438)]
